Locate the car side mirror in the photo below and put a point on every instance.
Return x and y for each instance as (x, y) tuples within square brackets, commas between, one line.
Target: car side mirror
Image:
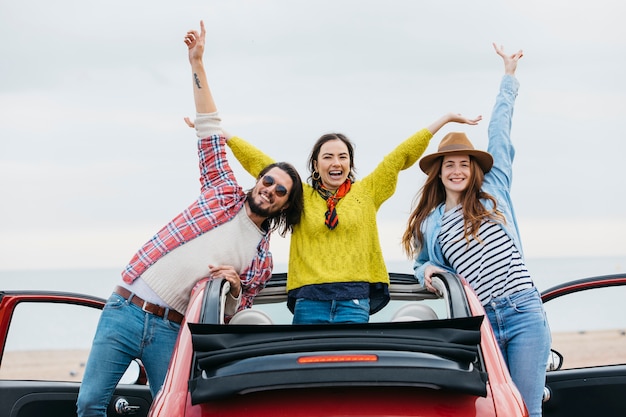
[(555, 361)]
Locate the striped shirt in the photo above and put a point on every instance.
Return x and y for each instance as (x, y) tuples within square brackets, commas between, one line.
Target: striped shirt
[(491, 265)]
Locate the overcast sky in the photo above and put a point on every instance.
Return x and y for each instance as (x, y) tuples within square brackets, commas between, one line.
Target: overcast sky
[(95, 156)]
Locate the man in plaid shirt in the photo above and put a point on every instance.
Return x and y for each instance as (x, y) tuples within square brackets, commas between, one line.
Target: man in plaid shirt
[(223, 234)]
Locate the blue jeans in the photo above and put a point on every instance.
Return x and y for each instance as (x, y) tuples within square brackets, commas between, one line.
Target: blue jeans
[(334, 311), (521, 328), (124, 332)]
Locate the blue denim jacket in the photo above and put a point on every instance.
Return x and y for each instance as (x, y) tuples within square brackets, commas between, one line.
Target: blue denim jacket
[(497, 182)]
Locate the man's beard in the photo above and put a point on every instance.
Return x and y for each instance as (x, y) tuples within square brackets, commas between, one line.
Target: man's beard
[(258, 210)]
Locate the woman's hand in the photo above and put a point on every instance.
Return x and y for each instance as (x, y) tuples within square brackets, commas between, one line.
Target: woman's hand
[(510, 61), (429, 271), (458, 118), (451, 117)]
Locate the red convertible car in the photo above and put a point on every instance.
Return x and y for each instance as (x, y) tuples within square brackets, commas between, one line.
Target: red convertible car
[(422, 355)]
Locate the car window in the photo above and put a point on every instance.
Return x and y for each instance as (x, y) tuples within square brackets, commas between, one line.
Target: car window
[(589, 327), (48, 341)]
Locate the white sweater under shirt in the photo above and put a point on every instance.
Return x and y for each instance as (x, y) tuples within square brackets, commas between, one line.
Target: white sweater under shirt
[(173, 276)]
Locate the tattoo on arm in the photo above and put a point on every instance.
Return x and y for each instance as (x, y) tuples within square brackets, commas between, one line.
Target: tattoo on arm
[(197, 81)]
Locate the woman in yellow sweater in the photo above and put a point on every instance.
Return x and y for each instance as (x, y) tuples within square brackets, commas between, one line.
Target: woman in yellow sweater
[(336, 272)]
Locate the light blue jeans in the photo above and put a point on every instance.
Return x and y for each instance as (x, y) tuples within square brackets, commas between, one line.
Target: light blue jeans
[(124, 332), (335, 311), (521, 328)]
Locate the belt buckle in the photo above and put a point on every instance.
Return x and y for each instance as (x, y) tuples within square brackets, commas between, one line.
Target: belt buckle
[(143, 307), (157, 310)]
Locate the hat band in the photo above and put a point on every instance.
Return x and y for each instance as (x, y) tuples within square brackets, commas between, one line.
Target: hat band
[(456, 147)]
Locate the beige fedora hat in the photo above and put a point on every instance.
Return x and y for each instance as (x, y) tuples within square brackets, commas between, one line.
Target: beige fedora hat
[(457, 143)]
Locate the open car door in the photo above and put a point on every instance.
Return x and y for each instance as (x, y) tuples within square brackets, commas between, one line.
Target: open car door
[(45, 339), (588, 375)]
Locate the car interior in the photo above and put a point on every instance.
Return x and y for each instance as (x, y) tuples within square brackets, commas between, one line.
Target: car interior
[(409, 302)]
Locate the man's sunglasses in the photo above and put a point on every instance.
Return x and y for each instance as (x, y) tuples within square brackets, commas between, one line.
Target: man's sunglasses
[(268, 181)]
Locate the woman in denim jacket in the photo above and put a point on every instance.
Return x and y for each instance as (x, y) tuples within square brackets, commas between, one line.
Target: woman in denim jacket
[(464, 223)]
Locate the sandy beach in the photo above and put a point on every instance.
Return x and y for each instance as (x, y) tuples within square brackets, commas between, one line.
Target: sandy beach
[(580, 349), (56, 365), (584, 349)]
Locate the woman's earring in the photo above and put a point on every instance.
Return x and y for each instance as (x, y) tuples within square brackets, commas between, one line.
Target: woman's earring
[(315, 176)]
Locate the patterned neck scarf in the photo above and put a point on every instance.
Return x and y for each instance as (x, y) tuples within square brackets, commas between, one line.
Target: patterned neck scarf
[(332, 220)]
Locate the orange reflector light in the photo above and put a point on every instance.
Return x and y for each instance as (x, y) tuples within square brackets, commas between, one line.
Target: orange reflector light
[(338, 358)]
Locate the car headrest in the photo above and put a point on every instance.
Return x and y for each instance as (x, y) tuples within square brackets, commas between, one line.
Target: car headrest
[(250, 316), (414, 312)]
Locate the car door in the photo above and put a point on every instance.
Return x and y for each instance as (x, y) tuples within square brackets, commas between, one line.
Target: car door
[(45, 339), (588, 322)]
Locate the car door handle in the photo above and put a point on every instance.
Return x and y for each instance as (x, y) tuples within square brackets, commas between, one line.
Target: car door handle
[(123, 408), (547, 394)]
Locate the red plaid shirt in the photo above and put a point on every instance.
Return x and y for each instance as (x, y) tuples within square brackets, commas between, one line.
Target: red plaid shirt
[(220, 200)]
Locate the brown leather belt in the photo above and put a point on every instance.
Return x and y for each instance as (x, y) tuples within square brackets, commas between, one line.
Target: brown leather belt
[(157, 310)]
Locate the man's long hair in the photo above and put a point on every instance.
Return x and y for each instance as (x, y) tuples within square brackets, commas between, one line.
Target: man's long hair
[(287, 218)]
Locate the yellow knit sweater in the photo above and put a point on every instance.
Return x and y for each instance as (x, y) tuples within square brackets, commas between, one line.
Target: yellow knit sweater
[(351, 252)]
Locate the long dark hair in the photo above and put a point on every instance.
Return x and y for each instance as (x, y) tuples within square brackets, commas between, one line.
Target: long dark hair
[(433, 194), (288, 217)]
